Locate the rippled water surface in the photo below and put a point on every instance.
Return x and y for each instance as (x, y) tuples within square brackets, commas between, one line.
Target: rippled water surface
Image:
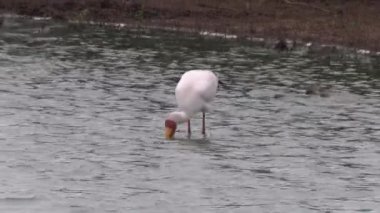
[(82, 112)]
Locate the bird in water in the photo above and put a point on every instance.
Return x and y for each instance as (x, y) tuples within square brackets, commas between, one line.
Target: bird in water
[(194, 91)]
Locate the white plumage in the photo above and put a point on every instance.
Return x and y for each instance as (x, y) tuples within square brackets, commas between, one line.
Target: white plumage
[(194, 91)]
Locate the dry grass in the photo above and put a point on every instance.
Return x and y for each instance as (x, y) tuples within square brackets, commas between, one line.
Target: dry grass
[(347, 22)]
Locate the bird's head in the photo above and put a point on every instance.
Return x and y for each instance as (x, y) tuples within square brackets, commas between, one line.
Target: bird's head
[(170, 127), (171, 122)]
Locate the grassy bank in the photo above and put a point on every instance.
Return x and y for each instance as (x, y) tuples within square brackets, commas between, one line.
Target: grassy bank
[(352, 23)]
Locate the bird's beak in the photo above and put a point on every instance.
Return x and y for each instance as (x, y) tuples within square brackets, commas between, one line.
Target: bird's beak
[(169, 132)]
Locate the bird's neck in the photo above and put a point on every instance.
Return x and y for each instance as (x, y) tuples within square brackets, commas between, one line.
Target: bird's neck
[(179, 117)]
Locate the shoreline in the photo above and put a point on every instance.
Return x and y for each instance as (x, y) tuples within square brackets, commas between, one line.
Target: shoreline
[(214, 20), (316, 48)]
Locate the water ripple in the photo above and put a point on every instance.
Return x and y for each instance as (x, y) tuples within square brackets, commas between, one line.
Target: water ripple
[(83, 110)]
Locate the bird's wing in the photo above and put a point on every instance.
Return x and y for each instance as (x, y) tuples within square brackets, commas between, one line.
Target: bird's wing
[(206, 89), (190, 101), (195, 90), (195, 98)]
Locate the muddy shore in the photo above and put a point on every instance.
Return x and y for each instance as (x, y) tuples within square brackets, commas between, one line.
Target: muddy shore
[(351, 23)]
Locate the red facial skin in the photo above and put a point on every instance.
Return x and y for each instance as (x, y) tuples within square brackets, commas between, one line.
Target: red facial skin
[(169, 124)]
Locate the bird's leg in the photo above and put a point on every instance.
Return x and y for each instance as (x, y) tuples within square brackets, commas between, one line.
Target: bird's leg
[(203, 123), (188, 127)]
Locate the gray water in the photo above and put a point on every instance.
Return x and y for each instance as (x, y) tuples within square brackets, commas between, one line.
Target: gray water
[(83, 108)]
